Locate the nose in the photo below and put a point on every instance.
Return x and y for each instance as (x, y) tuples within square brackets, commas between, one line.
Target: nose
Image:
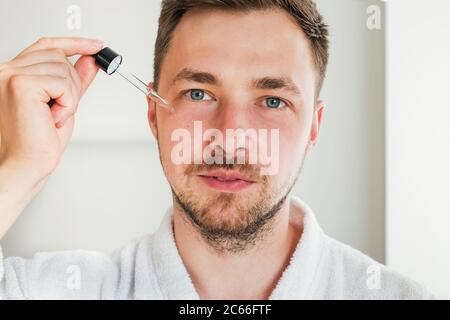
[(234, 121)]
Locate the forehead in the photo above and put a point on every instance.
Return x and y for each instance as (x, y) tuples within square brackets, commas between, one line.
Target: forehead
[(234, 44)]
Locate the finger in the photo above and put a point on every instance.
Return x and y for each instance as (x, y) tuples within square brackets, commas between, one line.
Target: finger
[(60, 69), (61, 114), (81, 78), (39, 56), (42, 89), (87, 70), (55, 88), (46, 56), (69, 45)]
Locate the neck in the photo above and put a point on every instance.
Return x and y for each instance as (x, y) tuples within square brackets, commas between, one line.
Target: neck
[(250, 275)]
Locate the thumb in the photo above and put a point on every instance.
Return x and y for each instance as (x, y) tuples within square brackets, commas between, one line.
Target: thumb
[(87, 70)]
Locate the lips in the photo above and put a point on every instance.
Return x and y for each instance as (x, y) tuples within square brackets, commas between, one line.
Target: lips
[(226, 181), (227, 175)]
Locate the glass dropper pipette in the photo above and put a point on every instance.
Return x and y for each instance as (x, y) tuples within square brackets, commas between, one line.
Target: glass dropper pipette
[(111, 62)]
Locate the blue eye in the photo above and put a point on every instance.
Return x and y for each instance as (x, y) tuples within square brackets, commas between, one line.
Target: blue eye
[(275, 103), (198, 95)]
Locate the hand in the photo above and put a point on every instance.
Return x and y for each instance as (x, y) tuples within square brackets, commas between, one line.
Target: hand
[(33, 136)]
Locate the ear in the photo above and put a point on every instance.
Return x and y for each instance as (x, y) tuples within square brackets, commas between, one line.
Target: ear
[(316, 123), (151, 115)]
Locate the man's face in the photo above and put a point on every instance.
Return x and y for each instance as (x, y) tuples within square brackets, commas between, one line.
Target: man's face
[(230, 70)]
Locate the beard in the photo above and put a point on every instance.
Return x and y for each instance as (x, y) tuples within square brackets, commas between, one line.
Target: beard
[(232, 222)]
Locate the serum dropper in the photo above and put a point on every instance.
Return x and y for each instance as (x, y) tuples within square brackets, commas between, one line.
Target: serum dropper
[(111, 62)]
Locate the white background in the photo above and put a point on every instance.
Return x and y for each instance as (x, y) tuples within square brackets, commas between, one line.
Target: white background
[(418, 141)]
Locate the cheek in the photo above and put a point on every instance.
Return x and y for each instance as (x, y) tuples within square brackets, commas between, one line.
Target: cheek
[(167, 126), (293, 142)]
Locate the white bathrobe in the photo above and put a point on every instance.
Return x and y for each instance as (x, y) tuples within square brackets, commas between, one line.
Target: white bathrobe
[(151, 268)]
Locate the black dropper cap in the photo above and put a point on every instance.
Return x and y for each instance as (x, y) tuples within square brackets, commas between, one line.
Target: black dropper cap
[(108, 60)]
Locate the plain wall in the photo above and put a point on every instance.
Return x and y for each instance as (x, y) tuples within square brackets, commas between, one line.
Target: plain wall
[(418, 136), (110, 187)]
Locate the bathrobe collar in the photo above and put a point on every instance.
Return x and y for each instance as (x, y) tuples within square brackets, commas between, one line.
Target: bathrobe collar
[(295, 283)]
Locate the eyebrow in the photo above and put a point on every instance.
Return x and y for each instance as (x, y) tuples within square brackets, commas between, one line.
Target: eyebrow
[(196, 76), (265, 83), (277, 83)]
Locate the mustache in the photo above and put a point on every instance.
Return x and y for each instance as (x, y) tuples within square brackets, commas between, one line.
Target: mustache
[(249, 170)]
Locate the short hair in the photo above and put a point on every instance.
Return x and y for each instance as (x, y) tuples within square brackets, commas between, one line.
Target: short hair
[(304, 12)]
